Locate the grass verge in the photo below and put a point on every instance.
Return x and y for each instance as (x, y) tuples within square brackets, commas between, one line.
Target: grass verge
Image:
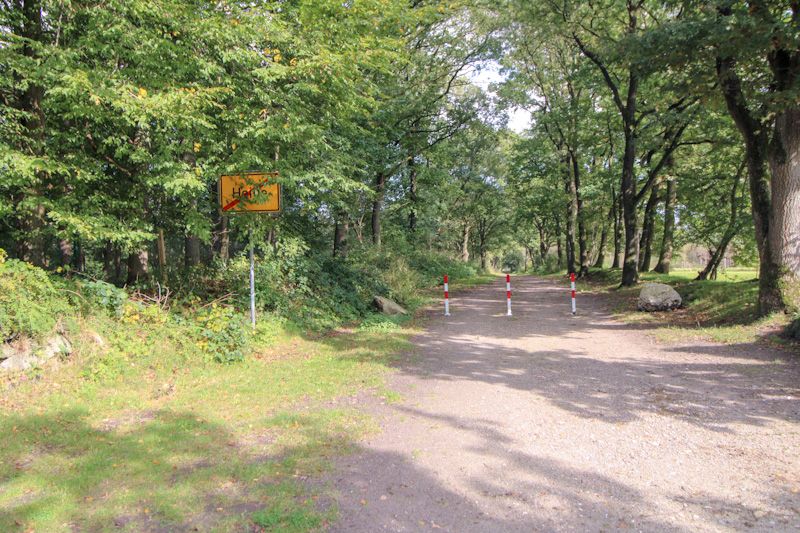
[(169, 444), (722, 310), (135, 432)]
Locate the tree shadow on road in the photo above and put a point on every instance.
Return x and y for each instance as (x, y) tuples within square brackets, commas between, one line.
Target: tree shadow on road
[(709, 386)]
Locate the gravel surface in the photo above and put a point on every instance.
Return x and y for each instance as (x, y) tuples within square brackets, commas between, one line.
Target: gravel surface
[(547, 422)]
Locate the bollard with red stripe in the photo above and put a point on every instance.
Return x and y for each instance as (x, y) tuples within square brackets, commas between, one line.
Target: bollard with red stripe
[(508, 293), (446, 297), (572, 283)]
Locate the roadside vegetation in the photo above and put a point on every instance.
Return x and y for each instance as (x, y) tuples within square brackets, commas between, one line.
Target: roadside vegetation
[(409, 140), (175, 414), (724, 310)]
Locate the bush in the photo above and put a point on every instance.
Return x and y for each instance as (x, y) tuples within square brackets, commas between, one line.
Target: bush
[(547, 266), (105, 296), (223, 335), (512, 261), (31, 303)]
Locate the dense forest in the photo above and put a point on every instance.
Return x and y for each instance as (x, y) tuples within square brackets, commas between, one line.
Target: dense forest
[(653, 125)]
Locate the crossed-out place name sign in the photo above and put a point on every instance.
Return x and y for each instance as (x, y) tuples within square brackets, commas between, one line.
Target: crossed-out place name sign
[(250, 192)]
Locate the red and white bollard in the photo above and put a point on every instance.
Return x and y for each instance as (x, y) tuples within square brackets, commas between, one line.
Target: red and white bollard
[(508, 293), (572, 282), (446, 297)]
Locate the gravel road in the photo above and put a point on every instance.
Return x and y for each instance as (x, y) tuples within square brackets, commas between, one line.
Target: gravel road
[(548, 422)]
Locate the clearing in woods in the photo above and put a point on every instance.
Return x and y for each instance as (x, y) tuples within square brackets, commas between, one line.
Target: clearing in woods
[(547, 422)]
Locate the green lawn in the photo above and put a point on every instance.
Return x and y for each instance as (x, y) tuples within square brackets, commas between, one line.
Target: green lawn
[(134, 431), (171, 443), (722, 310)]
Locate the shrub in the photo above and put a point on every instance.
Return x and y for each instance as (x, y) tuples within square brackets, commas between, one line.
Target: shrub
[(512, 261), (222, 334), (31, 304), (548, 265), (105, 296), (434, 265)]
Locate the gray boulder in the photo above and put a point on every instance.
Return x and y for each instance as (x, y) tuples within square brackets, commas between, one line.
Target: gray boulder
[(22, 355), (794, 328), (658, 297), (388, 307)]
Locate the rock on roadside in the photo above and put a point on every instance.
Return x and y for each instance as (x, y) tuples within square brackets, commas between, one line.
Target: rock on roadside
[(388, 307), (794, 328), (658, 297), (23, 355)]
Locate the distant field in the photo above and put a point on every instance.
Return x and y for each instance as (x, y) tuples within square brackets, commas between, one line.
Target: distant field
[(730, 274)]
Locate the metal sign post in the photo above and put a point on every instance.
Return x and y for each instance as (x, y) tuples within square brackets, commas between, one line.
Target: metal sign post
[(252, 278), (254, 193)]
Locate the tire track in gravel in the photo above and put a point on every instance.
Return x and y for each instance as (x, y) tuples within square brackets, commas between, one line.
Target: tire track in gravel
[(545, 422)]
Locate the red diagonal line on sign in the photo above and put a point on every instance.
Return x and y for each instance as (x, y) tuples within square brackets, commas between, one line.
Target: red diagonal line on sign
[(235, 202), (231, 205)]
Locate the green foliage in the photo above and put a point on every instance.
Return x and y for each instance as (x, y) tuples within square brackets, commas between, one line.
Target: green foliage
[(318, 292), (223, 335), (100, 295), (379, 323), (548, 265), (31, 301), (512, 261)]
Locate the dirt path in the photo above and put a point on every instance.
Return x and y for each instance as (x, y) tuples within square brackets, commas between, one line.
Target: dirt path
[(547, 422)]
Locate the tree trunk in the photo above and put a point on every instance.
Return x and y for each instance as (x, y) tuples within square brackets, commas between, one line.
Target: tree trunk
[(412, 194), (224, 240), (617, 231), (191, 250), (112, 263), (775, 202), (482, 243), (340, 232), (138, 268), (118, 265), (627, 105), (648, 230), (559, 251), (601, 252), (665, 256), (31, 244), (583, 249), (572, 214), (80, 257), (109, 266), (67, 250), (630, 272), (191, 241), (377, 207), (162, 256), (542, 245), (783, 238), (465, 243), (715, 258)]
